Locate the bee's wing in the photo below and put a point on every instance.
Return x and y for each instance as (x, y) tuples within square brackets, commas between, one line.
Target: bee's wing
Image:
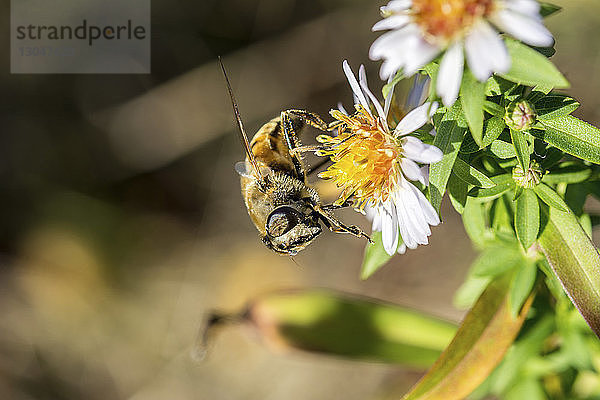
[(242, 133)]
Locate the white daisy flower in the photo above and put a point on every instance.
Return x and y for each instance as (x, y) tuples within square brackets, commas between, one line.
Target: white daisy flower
[(374, 165), (420, 29)]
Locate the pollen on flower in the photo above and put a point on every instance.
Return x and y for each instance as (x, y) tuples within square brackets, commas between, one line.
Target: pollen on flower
[(365, 158), (445, 19)]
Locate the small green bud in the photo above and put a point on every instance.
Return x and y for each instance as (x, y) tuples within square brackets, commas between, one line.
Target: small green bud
[(529, 179), (520, 115)]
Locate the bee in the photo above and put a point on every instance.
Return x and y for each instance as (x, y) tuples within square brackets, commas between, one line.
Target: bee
[(286, 211)]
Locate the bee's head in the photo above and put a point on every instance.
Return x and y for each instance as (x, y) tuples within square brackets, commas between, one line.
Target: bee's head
[(288, 230)]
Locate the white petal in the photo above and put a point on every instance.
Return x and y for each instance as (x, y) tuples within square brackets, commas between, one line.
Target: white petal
[(411, 170), (416, 218), (362, 76), (450, 74), (355, 86), (390, 42), (415, 119), (341, 108), (527, 7), (425, 173), (525, 28), (428, 211), (393, 22), (420, 152), (401, 249), (422, 54), (389, 234), (486, 52), (388, 99), (403, 226), (396, 6)]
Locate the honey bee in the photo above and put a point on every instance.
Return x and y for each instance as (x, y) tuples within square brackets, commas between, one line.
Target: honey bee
[(286, 211)]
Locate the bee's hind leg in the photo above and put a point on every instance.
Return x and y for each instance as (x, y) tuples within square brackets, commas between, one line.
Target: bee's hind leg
[(337, 226)]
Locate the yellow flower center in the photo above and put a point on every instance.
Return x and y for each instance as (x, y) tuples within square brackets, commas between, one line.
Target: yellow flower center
[(365, 158), (446, 19)]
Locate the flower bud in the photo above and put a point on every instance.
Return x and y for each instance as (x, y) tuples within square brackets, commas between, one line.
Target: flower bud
[(530, 178), (520, 115)]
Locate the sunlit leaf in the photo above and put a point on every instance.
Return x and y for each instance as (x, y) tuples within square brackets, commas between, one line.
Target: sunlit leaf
[(573, 136), (521, 286), (493, 128), (449, 135), (555, 105), (575, 261), (530, 68), (471, 175), (503, 183), (342, 325), (502, 149), (484, 336), (527, 218), (375, 256), (472, 94), (550, 197)]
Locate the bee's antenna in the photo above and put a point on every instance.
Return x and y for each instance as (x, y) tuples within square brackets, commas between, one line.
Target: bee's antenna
[(242, 132)]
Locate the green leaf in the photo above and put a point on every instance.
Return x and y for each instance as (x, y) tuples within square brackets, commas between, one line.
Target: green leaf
[(550, 197), (472, 95), (547, 9), (521, 148), (503, 184), (474, 220), (375, 256), (521, 286), (319, 321), (469, 146), (494, 109), (449, 135), (527, 218), (471, 175), (530, 344), (496, 86), (502, 149), (568, 173), (479, 345), (530, 68), (575, 262), (493, 129), (530, 389), (470, 291), (573, 136), (457, 191), (496, 260), (555, 105)]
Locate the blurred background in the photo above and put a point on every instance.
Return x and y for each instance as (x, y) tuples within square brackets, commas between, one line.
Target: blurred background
[(122, 223)]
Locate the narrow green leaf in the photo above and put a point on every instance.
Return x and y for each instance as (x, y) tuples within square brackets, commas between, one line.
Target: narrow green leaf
[(575, 262), (527, 218), (502, 149), (375, 256), (530, 68), (496, 86), (521, 148), (471, 175), (319, 321), (494, 109), (537, 93), (555, 105), (503, 184), (550, 197), (457, 191), (472, 95), (573, 136), (449, 135), (521, 286), (493, 129), (469, 146), (568, 173), (528, 388), (479, 345)]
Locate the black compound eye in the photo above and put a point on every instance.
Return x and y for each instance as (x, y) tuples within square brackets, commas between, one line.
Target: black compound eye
[(282, 220)]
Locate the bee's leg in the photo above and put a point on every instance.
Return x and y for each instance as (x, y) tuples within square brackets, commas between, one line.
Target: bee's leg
[(313, 168), (345, 204), (311, 119), (337, 226), (291, 140)]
